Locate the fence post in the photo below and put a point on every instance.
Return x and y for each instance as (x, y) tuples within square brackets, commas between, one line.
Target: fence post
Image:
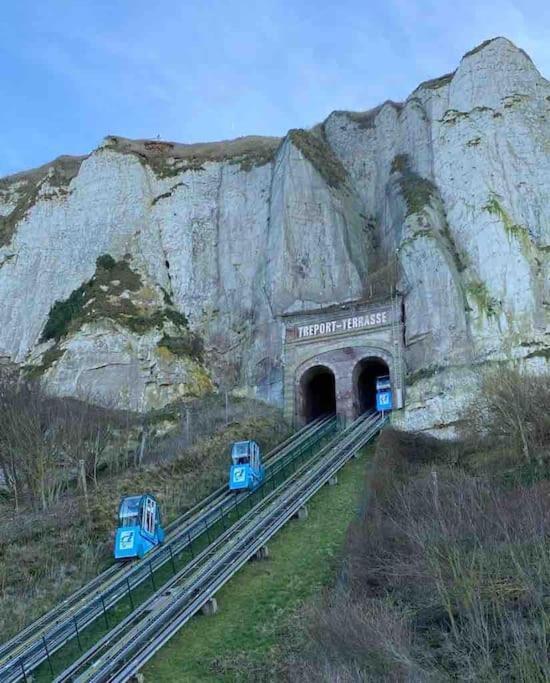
[(130, 594), (172, 559), (142, 446), (82, 473), (152, 575), (47, 654), (207, 531), (104, 612), (77, 634)]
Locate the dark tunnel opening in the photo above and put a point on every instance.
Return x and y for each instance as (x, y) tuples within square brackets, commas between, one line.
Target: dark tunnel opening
[(319, 393), (366, 373)]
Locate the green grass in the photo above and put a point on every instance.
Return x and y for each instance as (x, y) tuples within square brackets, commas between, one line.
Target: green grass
[(257, 605), (100, 627)]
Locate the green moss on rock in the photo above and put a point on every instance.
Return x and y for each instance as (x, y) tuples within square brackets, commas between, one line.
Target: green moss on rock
[(417, 191), (540, 353), (515, 230), (26, 200), (188, 345), (320, 155), (451, 116), (424, 373), (478, 48), (478, 293), (49, 358), (170, 159), (26, 189), (106, 296), (367, 119), (435, 83)]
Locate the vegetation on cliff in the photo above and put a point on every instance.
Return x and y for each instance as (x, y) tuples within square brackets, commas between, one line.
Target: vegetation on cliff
[(23, 189), (169, 159), (417, 191), (116, 292), (320, 156)]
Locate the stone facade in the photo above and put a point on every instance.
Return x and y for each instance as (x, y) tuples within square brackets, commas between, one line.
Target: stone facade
[(341, 337)]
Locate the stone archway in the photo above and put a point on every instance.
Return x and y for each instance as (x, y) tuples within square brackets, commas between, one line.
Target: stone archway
[(317, 393), (338, 338), (365, 375)]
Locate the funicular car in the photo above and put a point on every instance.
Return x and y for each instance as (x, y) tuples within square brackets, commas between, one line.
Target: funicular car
[(384, 398), (247, 471), (139, 526)]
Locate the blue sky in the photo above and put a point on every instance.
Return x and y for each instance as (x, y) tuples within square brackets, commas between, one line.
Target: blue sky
[(74, 71)]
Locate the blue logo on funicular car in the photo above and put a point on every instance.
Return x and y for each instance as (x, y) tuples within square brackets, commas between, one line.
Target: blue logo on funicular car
[(239, 474), (126, 541), (384, 401)]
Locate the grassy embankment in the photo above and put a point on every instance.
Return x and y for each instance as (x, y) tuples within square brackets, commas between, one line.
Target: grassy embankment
[(259, 608), (444, 574)]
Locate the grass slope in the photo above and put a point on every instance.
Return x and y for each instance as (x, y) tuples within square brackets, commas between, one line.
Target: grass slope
[(255, 607)]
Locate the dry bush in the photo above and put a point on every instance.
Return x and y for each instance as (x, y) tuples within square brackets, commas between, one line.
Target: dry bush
[(194, 420), (513, 409), (445, 577), (382, 281), (55, 537), (370, 636), (46, 442)]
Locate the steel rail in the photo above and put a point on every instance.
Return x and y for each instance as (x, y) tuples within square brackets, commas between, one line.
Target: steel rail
[(151, 638), (214, 558), (185, 575), (52, 614), (28, 650)]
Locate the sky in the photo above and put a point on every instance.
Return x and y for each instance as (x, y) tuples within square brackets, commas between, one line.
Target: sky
[(74, 71)]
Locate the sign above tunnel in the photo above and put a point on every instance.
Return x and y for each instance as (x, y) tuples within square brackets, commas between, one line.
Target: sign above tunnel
[(325, 326)]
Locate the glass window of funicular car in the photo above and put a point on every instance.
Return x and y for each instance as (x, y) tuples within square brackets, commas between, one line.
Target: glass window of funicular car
[(128, 514), (240, 453), (148, 519)]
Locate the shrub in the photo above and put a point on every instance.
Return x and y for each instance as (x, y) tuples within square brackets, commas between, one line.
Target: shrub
[(514, 410), (106, 261), (444, 576), (417, 191), (56, 534), (62, 313), (189, 345)]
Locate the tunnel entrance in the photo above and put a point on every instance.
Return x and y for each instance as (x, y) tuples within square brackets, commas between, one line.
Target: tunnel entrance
[(318, 392), (365, 374)]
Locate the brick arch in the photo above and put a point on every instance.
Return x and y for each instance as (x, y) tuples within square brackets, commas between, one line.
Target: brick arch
[(364, 381), (342, 360), (317, 392), (301, 372)]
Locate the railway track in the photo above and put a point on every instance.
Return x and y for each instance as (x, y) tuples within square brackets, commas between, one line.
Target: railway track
[(25, 652), (128, 646)]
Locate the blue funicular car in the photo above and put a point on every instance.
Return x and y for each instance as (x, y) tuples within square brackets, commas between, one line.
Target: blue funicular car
[(384, 399), (139, 526), (246, 471)]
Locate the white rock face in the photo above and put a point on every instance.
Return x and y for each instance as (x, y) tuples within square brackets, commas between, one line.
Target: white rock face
[(473, 250), (454, 183)]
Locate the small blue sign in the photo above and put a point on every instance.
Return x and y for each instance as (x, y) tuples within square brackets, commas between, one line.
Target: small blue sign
[(384, 401)]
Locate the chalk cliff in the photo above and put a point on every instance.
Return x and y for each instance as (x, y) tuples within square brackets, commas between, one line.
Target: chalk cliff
[(149, 271)]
